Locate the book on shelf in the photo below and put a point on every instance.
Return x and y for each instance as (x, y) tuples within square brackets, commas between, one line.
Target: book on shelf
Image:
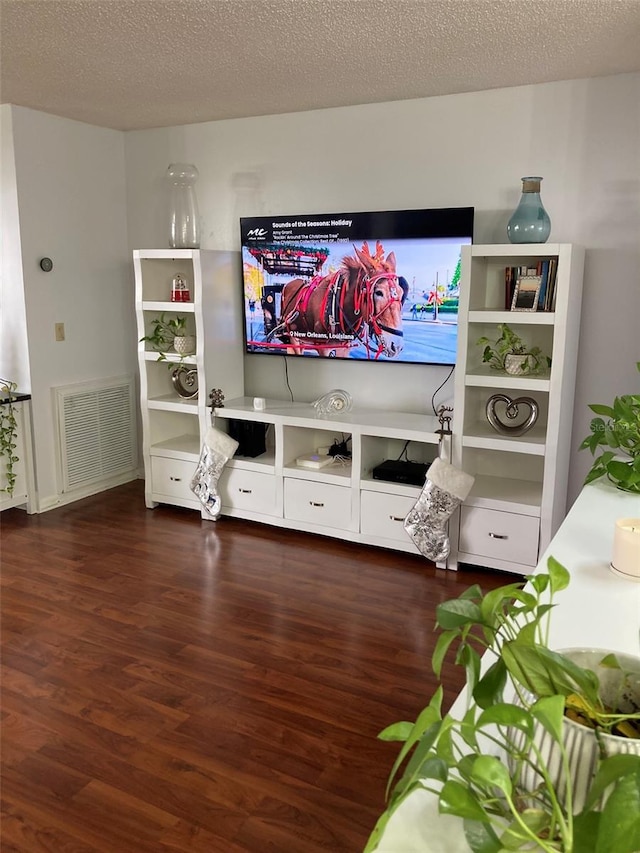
[(546, 269)]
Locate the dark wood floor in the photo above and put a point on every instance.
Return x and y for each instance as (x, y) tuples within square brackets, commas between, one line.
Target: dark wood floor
[(177, 685)]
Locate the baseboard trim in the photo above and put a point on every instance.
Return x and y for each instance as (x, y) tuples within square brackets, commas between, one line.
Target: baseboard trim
[(55, 501)]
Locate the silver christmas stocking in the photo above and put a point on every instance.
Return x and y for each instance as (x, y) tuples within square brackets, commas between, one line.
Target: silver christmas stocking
[(216, 451), (445, 488)]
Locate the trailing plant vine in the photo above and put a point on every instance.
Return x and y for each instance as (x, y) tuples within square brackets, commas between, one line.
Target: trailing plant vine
[(8, 433)]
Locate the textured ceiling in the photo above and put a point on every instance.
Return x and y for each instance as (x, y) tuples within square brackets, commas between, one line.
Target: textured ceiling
[(132, 64)]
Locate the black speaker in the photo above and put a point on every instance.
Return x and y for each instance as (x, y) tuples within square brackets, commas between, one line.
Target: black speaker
[(251, 437)]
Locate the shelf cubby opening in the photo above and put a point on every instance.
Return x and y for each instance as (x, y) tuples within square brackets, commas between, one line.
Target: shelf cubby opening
[(157, 276), (532, 335), (377, 449), (475, 417), (488, 279), (168, 426), (254, 431), (302, 442), (511, 481)]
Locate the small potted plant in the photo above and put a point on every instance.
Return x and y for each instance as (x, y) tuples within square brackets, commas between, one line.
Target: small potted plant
[(508, 768), (509, 353), (616, 433), (172, 331)]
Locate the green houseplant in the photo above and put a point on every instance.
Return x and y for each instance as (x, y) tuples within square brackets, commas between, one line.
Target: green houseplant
[(170, 332), (8, 433), (615, 432), (475, 765), (509, 352)]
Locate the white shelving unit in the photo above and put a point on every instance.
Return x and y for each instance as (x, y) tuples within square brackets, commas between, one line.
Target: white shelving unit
[(341, 500), (173, 428), (519, 497)]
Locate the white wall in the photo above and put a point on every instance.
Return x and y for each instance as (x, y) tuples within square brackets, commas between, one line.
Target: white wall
[(14, 351), (71, 200), (582, 136)]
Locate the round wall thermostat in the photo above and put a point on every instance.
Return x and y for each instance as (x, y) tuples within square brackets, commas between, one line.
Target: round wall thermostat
[(46, 264)]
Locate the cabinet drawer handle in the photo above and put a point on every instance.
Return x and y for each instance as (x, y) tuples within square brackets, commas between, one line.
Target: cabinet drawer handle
[(245, 491), (396, 518), (498, 536), (315, 503), (176, 479)]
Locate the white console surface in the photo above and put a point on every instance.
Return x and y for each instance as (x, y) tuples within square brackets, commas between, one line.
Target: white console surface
[(365, 421), (599, 610)]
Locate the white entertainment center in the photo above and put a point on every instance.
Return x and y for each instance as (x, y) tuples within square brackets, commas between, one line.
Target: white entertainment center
[(519, 496)]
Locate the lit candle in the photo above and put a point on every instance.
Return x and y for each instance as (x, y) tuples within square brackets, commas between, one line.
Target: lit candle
[(626, 548)]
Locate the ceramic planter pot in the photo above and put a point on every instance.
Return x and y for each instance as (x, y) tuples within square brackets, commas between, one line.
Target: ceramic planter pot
[(514, 364), (620, 688), (184, 344)]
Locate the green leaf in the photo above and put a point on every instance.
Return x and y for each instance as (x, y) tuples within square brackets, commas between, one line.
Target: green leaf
[(492, 601), (481, 838), (507, 715), (585, 832), (619, 470), (420, 758), (549, 712), (559, 577), (539, 582), (473, 592), (546, 673), (426, 719), (537, 820), (468, 728), (458, 612), (444, 746), (457, 799), (396, 731), (490, 772), (442, 647), (619, 830), (470, 658), (599, 409), (610, 770), (434, 768), (489, 689)]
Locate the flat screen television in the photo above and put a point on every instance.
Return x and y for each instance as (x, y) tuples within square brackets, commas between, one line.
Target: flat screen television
[(379, 286)]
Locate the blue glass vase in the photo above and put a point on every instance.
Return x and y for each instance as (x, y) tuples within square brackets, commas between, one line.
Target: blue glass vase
[(530, 222)]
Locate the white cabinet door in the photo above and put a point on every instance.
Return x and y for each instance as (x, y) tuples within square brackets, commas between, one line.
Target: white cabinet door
[(171, 478), (249, 490), (500, 535), (383, 514), (317, 503)]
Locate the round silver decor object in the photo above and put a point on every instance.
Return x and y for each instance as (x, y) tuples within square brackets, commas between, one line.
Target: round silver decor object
[(185, 382), (513, 413)]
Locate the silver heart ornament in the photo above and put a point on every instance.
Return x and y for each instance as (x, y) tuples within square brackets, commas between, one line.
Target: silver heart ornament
[(512, 413)]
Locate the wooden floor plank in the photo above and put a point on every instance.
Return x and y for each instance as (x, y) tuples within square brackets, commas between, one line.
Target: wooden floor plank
[(170, 684)]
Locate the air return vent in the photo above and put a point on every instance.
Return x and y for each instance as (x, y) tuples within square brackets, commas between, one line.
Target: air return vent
[(97, 430)]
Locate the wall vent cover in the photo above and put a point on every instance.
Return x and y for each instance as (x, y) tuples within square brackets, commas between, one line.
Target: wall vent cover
[(97, 431)]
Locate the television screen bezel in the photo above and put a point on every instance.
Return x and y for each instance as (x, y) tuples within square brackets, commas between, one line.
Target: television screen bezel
[(409, 223)]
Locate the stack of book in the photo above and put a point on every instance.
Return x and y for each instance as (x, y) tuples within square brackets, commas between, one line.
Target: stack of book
[(546, 270)]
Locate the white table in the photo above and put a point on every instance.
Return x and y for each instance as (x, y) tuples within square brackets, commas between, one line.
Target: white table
[(599, 610)]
